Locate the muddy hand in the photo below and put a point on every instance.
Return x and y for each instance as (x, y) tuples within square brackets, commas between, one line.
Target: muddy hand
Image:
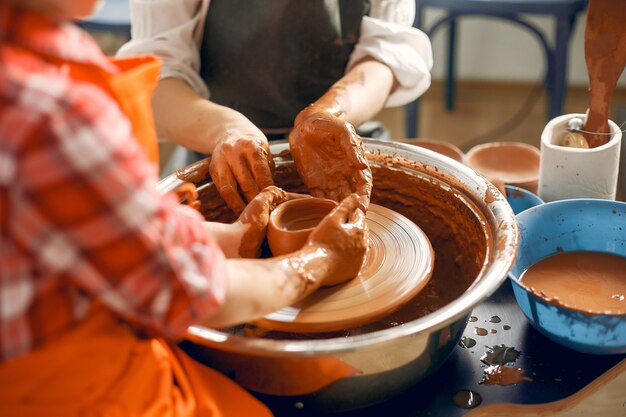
[(343, 235), (241, 164), (330, 158), (256, 216)]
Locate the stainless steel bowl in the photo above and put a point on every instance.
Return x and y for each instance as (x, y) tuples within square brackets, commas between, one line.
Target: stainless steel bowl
[(354, 370)]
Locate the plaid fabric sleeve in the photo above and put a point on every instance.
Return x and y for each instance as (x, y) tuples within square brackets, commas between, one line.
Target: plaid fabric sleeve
[(90, 213)]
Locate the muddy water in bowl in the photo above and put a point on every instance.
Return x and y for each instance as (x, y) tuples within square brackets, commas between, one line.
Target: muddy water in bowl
[(474, 235), (590, 282), (569, 275)]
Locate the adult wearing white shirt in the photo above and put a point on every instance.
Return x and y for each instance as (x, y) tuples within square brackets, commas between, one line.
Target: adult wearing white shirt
[(238, 71)]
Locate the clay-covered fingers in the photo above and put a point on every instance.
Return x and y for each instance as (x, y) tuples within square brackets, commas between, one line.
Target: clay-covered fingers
[(225, 183), (241, 166), (343, 235), (255, 218), (330, 158), (263, 204), (266, 201), (360, 179), (346, 210)]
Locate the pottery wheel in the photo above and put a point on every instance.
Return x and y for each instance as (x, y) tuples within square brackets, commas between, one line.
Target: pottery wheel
[(398, 264)]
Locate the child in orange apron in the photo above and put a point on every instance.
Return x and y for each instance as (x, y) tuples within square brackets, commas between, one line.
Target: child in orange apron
[(92, 257)]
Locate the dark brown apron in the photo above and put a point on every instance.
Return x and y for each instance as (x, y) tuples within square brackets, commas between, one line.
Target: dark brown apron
[(269, 59)]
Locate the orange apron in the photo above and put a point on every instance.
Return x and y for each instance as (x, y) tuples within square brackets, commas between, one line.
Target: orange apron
[(101, 367)]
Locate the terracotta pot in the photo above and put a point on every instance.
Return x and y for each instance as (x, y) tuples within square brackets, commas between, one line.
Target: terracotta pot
[(513, 163), (291, 223), (439, 146)]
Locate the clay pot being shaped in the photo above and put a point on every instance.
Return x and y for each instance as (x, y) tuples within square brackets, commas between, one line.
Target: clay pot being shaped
[(513, 163), (292, 221)]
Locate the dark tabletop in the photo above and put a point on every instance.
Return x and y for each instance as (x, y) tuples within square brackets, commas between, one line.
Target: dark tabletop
[(556, 371)]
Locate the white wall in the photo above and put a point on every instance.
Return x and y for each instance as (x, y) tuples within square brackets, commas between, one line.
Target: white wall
[(496, 49)]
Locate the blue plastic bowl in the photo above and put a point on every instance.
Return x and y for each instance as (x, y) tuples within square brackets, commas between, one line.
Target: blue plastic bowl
[(520, 199), (571, 225)]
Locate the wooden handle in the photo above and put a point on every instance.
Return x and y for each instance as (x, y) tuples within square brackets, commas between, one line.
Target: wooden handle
[(605, 56), (602, 397)]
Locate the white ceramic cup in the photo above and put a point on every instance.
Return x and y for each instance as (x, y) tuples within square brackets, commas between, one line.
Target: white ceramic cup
[(566, 172)]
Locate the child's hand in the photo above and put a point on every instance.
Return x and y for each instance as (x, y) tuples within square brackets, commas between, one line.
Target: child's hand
[(343, 235), (256, 216)]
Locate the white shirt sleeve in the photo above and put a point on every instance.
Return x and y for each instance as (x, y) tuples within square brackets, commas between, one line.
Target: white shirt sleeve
[(172, 30), (387, 36)]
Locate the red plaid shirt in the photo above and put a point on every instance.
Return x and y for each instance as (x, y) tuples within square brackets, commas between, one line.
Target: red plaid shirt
[(80, 219)]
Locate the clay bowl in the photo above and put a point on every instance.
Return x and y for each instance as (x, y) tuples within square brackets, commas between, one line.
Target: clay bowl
[(292, 222), (474, 236), (439, 146), (521, 199), (567, 226), (514, 163)]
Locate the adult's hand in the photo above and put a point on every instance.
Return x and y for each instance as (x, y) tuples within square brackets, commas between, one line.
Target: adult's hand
[(329, 156), (256, 216), (343, 236), (241, 163)]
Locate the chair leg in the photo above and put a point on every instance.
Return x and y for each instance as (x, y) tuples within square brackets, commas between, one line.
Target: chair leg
[(450, 79), (559, 71), (411, 118)]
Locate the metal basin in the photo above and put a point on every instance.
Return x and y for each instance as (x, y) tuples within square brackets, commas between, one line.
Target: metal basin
[(475, 237)]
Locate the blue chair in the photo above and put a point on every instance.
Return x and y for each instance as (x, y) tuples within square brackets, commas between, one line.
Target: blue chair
[(114, 17), (563, 11)]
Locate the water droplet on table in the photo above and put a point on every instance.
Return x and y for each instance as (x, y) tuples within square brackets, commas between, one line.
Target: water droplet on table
[(467, 342), (480, 331), (467, 399)]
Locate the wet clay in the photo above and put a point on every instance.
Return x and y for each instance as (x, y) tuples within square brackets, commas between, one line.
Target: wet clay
[(503, 375), (590, 282), (454, 225)]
